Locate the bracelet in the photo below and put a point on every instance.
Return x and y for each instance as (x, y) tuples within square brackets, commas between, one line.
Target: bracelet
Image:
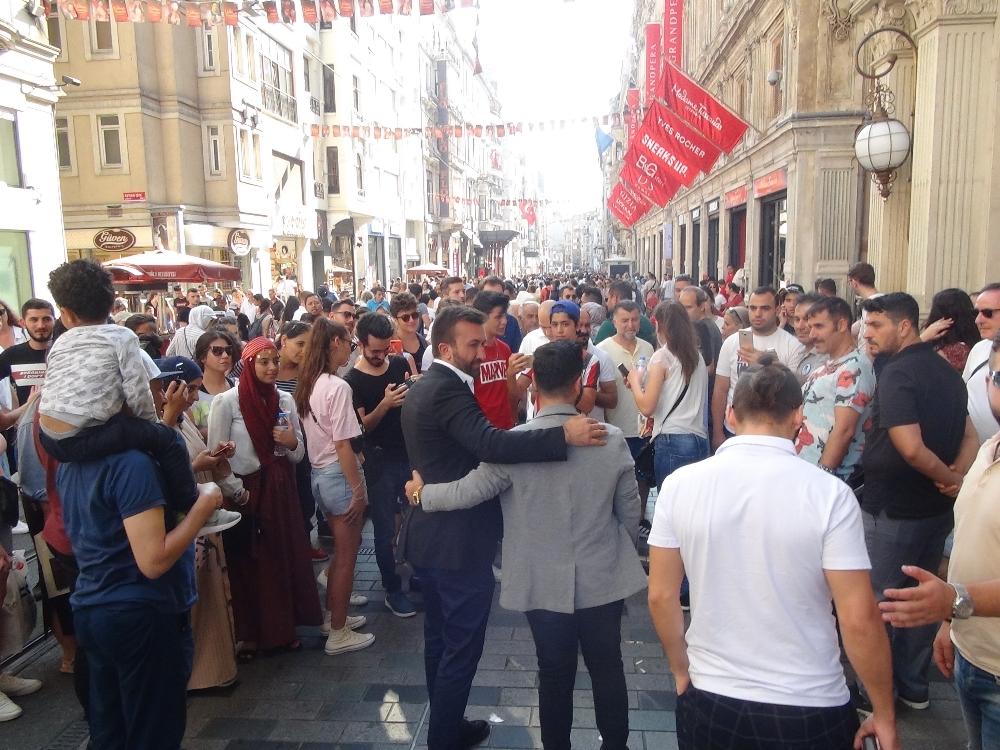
[(827, 469)]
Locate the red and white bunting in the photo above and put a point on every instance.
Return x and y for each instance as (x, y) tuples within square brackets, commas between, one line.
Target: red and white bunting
[(702, 110), (673, 32), (654, 60), (627, 207)]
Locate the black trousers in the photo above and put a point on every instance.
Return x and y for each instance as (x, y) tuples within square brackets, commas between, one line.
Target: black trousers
[(706, 721), (596, 631)]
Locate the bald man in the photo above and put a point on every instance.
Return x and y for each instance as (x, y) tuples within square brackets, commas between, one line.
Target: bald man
[(540, 335)]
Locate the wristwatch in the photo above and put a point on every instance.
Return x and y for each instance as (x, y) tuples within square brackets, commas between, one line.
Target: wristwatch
[(963, 607), (416, 496)]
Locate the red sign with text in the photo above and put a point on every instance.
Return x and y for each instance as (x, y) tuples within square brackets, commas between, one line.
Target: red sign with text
[(736, 196), (702, 110), (697, 150), (772, 182), (627, 207), (654, 60), (632, 115), (650, 187), (673, 31)]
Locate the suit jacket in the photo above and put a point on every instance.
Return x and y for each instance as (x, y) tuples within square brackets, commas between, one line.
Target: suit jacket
[(569, 528), (446, 438)]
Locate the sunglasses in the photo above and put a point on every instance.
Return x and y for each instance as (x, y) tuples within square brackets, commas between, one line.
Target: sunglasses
[(995, 377), (348, 315), (407, 317), (987, 312), (219, 351)]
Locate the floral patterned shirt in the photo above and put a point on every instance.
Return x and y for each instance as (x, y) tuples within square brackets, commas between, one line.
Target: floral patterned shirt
[(847, 382)]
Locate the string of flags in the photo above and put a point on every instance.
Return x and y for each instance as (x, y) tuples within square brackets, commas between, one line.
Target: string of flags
[(213, 12)]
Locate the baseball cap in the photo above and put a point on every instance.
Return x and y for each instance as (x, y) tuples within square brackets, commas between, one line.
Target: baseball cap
[(565, 306), (182, 367)]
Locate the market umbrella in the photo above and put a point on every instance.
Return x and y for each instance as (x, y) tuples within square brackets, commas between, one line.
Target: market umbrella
[(164, 268), (429, 269)]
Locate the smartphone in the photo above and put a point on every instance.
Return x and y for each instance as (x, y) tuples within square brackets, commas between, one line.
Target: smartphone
[(746, 339), (870, 743), (395, 346), (409, 382), (223, 447), (623, 370)]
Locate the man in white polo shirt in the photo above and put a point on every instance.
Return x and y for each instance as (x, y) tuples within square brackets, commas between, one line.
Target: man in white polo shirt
[(988, 321), (760, 665)]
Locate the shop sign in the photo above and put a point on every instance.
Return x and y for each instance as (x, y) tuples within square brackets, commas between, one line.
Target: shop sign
[(114, 240), (134, 197), (293, 225), (713, 206), (736, 196), (239, 242), (772, 182)]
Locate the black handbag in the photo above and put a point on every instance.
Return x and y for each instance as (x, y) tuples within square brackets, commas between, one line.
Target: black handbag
[(644, 463)]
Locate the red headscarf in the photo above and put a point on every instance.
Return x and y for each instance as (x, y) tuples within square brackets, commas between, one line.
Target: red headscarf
[(258, 401)]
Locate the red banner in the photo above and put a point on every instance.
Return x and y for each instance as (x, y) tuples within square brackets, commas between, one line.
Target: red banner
[(706, 113), (654, 60), (309, 11), (698, 150), (632, 115), (346, 7), (673, 32), (405, 7), (652, 189), (658, 156), (366, 8), (426, 7), (385, 6), (627, 207), (230, 14), (154, 11), (192, 14)]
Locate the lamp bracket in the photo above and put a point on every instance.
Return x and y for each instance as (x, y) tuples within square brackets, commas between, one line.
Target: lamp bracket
[(891, 59)]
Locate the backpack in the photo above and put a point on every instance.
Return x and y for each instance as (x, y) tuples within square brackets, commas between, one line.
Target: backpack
[(257, 327)]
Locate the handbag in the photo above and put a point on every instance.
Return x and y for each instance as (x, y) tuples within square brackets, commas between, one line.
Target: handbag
[(644, 461), (18, 613)]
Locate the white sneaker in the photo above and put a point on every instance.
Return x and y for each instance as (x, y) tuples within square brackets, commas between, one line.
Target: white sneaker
[(220, 520), (346, 640), (8, 709), (358, 600), (321, 578), (353, 622), (20, 528), (18, 686)]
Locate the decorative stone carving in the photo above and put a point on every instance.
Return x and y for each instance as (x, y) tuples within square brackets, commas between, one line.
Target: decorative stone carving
[(927, 10), (840, 21)]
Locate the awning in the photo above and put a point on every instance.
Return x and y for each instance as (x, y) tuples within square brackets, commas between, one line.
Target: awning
[(165, 267), (499, 238)]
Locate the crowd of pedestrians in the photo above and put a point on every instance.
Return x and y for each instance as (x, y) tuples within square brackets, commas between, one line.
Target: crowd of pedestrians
[(823, 470)]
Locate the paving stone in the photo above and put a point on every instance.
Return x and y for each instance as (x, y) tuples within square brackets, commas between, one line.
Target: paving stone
[(199, 744), (656, 700), (518, 697), (331, 690), (484, 695), (658, 740), (510, 647), (358, 731), (261, 745), (307, 731), (400, 660), (515, 737), (523, 634), (238, 729), (505, 678), (652, 665), (396, 693), (499, 632), (370, 711), (656, 721), (519, 716), (522, 661), (583, 718)]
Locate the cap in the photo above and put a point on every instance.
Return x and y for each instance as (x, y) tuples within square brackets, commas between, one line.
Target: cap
[(795, 288), (186, 369), (565, 306)]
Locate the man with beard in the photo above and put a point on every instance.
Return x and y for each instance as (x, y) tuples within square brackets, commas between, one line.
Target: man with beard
[(344, 312), (452, 552), (378, 382), (24, 363)]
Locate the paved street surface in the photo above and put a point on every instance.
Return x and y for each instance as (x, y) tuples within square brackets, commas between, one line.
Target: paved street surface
[(376, 698)]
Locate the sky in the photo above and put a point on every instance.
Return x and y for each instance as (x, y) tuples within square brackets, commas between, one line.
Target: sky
[(556, 59)]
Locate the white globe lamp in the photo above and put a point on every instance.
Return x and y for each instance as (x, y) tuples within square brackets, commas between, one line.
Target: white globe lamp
[(882, 147)]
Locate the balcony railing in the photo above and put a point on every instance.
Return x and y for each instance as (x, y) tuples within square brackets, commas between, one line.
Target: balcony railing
[(314, 106), (278, 103)]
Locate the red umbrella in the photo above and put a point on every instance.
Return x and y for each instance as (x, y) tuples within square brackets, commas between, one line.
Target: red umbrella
[(162, 268)]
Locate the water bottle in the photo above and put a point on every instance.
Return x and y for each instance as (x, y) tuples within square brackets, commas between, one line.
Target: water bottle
[(281, 424), (640, 367)]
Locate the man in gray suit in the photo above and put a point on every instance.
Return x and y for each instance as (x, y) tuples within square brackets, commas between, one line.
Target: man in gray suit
[(569, 551)]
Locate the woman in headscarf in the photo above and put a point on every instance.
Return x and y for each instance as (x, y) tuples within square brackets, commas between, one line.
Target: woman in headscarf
[(186, 339), (268, 552)]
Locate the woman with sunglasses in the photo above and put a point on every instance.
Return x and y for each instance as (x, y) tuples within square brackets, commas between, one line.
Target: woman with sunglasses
[(269, 569), (214, 353), (327, 407), (406, 316)]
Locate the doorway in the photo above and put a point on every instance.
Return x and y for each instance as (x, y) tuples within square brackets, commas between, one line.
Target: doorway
[(713, 246), (738, 237), (695, 249), (773, 239)]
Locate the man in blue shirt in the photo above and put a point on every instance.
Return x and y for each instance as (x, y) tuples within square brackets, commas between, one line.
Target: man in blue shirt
[(133, 596), (378, 301)]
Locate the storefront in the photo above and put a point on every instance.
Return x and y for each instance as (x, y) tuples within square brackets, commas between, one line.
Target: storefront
[(736, 210), (771, 191)]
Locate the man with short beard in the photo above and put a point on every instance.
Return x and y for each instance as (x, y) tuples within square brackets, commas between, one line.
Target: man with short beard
[(452, 552), (24, 363), (813, 359)]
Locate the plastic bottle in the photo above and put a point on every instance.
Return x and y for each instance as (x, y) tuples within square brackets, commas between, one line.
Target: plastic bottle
[(282, 424), (640, 367)]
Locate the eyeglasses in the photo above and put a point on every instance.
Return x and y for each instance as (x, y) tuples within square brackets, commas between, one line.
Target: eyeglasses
[(219, 351), (3, 310), (348, 315), (407, 317), (995, 377), (987, 312)]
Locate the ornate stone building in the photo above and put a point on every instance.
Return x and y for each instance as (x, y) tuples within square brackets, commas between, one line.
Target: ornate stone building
[(791, 202)]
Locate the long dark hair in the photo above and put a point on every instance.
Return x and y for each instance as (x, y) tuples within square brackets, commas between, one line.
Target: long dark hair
[(290, 307), (316, 359), (956, 305), (673, 323), (13, 319), (205, 341)]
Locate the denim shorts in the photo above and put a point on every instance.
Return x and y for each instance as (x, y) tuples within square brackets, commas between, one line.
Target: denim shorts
[(329, 486)]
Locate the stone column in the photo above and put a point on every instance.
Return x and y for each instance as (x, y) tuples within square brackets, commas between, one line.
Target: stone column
[(952, 156)]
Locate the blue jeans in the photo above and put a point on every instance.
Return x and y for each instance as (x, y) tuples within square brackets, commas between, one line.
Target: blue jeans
[(979, 696), (457, 606), (673, 451), (139, 662), (384, 496)]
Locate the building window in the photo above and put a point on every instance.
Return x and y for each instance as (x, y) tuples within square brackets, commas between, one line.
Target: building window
[(251, 55), (353, 24), (359, 170), (776, 64), (277, 88), (332, 170), (63, 148), (356, 85), (209, 48), (57, 32), (329, 89), (110, 141), (15, 282), (429, 190), (103, 38), (10, 166), (214, 141), (250, 160), (305, 73)]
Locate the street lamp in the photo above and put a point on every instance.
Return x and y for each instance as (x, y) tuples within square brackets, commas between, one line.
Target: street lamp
[(882, 143)]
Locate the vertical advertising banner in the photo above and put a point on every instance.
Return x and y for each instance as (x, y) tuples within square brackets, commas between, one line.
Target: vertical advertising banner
[(702, 110), (696, 149), (632, 116), (645, 180), (673, 31), (346, 7), (627, 207), (426, 7), (654, 60)]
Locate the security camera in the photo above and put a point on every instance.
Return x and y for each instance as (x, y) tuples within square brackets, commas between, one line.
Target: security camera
[(774, 78), (71, 81)]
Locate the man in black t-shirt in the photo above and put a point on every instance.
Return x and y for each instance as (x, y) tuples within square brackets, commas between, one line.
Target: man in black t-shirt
[(378, 381), (24, 363), (919, 447)]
